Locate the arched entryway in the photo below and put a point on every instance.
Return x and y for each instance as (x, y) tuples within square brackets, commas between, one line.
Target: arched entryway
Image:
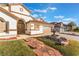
[(21, 27)]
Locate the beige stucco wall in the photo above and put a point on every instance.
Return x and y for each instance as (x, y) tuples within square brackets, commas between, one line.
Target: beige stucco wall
[(37, 28), (2, 26), (28, 28), (3, 5), (17, 8), (46, 29), (12, 22), (26, 18)]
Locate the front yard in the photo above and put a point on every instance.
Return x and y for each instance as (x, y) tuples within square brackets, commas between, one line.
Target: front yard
[(72, 49), (15, 48), (19, 48)]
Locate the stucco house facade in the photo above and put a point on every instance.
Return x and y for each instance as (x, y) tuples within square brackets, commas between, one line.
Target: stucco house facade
[(15, 19), (61, 27), (38, 27), (58, 27)]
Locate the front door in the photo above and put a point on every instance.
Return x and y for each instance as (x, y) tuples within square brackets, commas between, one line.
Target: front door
[(20, 27)]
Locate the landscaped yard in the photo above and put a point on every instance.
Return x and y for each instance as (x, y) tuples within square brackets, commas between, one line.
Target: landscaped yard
[(70, 50), (15, 48), (19, 47)]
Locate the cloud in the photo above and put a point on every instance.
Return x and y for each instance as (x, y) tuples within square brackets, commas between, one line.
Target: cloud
[(35, 15), (65, 22), (60, 17), (69, 19), (38, 16), (44, 10), (43, 17), (39, 10), (52, 8)]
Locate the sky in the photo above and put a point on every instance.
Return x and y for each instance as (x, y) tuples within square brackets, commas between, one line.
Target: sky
[(55, 12)]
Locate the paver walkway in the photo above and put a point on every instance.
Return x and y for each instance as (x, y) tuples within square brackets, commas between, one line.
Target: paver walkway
[(41, 49)]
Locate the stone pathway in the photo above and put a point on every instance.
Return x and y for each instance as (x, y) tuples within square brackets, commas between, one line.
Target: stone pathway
[(41, 49)]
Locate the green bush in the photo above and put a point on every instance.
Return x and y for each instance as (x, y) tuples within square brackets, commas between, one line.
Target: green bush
[(70, 50), (15, 48), (76, 30)]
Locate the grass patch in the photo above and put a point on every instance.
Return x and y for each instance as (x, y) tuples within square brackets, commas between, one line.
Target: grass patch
[(15, 48), (70, 50)]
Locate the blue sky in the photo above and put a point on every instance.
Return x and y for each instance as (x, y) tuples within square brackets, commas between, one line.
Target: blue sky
[(55, 12)]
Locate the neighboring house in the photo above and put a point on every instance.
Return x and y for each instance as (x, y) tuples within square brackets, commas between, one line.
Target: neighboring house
[(58, 27), (61, 27), (15, 19)]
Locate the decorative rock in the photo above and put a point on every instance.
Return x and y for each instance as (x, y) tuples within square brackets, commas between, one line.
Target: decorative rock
[(45, 54), (51, 53), (41, 49)]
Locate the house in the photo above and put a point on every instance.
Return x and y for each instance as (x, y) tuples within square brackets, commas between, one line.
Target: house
[(58, 26), (38, 27), (15, 19), (61, 27)]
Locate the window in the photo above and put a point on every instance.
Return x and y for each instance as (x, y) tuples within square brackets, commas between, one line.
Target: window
[(37, 27), (21, 9), (32, 26)]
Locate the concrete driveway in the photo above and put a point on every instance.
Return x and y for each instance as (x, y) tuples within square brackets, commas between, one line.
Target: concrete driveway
[(70, 35), (28, 36)]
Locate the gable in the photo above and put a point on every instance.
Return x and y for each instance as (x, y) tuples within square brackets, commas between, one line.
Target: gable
[(19, 8), (8, 13), (7, 16)]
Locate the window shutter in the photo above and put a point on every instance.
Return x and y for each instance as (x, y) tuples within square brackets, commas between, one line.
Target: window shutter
[(7, 27)]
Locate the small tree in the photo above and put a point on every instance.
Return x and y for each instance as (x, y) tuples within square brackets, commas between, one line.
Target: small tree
[(72, 25), (76, 29), (54, 31)]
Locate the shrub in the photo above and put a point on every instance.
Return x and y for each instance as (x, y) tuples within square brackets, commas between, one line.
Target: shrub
[(77, 29)]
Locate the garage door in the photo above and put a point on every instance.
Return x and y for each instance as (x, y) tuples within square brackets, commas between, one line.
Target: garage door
[(47, 29)]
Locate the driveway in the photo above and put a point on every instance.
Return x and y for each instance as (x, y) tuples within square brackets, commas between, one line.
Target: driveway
[(28, 36), (70, 35)]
